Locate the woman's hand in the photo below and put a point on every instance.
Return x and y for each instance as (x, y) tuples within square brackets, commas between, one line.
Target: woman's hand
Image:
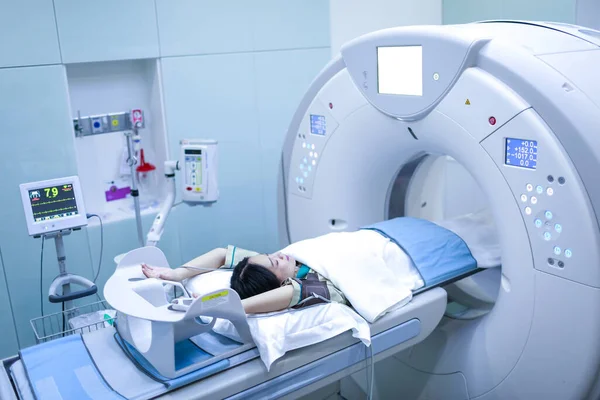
[(163, 273)]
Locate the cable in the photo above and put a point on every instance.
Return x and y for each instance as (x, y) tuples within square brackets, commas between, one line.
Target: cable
[(204, 268), (101, 245), (42, 276), (372, 364)]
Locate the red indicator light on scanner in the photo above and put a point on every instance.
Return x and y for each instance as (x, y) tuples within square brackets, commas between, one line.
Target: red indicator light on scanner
[(188, 188), (492, 121)]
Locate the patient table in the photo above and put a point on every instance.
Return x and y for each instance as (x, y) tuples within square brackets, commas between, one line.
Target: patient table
[(299, 371)]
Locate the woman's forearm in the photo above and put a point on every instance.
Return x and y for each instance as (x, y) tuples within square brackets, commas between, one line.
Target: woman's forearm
[(205, 263), (273, 300)]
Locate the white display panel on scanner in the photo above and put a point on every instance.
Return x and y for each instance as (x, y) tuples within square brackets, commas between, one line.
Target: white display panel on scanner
[(53, 205), (400, 70)]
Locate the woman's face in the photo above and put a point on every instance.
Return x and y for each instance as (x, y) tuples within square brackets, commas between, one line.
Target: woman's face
[(281, 265)]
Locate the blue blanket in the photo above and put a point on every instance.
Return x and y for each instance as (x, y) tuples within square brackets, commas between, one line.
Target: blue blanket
[(187, 349), (438, 254), (63, 369)]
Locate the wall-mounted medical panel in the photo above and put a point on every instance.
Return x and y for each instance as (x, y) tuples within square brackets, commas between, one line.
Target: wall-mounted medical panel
[(192, 27), (553, 201), (106, 30), (103, 91), (28, 32), (290, 24)]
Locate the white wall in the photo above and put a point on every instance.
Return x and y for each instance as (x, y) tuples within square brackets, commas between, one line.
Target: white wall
[(352, 18), (588, 13)]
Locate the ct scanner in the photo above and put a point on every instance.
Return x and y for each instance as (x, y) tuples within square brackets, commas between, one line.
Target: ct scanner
[(481, 94), (435, 121)]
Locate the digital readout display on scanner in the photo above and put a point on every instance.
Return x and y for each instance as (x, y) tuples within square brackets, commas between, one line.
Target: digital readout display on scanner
[(521, 153), (318, 125)]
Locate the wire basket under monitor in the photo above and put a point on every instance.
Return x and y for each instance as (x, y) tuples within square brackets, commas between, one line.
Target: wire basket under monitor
[(82, 319)]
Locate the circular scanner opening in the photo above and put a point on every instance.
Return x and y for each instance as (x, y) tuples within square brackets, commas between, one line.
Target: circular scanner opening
[(439, 189)]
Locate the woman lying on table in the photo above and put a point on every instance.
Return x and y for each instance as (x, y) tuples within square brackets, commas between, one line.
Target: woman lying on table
[(264, 282)]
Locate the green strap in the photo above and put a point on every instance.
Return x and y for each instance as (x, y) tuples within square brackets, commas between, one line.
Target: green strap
[(233, 256)]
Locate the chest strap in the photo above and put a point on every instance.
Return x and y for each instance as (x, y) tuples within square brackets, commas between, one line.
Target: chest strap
[(313, 291)]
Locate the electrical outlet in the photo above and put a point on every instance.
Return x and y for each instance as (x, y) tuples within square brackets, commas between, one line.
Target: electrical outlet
[(97, 125)]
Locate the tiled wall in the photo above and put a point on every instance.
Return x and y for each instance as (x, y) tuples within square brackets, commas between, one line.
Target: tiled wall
[(462, 11), (588, 13), (232, 70), (352, 18)]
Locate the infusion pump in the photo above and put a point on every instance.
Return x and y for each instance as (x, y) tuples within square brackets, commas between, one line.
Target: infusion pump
[(198, 162), (198, 166)]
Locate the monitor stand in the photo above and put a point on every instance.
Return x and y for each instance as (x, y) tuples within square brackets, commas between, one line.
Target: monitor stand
[(64, 279)]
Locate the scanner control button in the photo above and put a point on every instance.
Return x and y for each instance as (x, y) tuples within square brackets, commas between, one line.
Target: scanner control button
[(568, 253)]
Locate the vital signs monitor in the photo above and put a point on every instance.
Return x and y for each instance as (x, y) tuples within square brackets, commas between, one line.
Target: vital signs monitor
[(53, 205)]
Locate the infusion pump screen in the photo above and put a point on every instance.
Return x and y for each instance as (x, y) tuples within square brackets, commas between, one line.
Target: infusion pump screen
[(521, 153), (53, 202), (193, 167)]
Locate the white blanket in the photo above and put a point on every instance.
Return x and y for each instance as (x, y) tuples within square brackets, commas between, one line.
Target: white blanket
[(478, 230), (374, 274)]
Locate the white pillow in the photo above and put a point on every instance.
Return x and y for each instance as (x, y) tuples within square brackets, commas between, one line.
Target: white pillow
[(208, 282), (277, 333)]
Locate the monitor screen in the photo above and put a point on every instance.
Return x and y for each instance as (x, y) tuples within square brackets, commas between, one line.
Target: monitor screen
[(318, 125), (193, 151), (53, 202), (521, 153), (400, 70)]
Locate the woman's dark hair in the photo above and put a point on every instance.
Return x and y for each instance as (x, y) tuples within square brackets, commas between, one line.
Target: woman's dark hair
[(251, 279)]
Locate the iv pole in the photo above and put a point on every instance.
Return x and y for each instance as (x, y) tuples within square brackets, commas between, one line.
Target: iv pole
[(132, 161)]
